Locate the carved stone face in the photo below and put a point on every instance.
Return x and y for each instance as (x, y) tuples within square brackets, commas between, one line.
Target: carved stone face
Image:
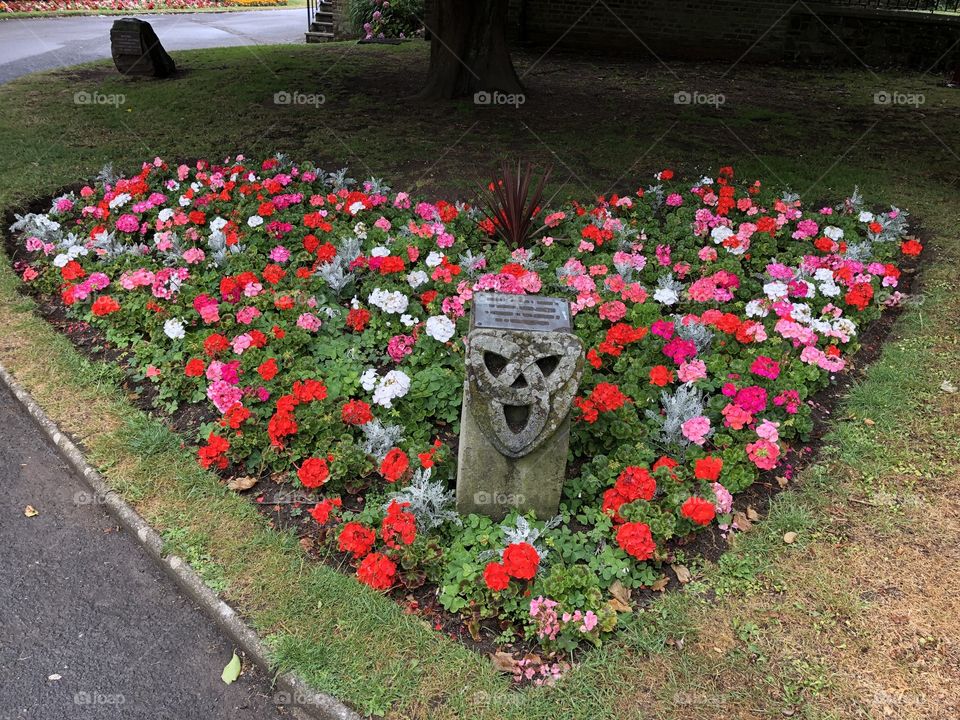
[(520, 385)]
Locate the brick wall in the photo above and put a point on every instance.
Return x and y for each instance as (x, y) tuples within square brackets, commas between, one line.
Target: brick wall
[(726, 30)]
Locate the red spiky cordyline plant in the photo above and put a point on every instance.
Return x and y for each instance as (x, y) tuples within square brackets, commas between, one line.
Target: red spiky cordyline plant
[(509, 204)]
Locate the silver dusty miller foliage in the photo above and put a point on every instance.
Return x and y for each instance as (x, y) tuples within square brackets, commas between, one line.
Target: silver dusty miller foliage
[(431, 502), (685, 403), (379, 439)]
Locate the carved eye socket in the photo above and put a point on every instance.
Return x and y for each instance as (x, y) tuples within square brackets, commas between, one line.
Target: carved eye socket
[(516, 416), (494, 362), (548, 364)]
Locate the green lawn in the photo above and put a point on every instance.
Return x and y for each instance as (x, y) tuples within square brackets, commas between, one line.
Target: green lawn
[(856, 616)]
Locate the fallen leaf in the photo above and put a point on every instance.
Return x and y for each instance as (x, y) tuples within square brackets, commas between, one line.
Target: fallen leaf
[(741, 521), (948, 387), (30, 511), (661, 584), (503, 662), (620, 592), (307, 544), (789, 537), (868, 421), (232, 671), (752, 514), (782, 481), (683, 573), (242, 483), (618, 606)]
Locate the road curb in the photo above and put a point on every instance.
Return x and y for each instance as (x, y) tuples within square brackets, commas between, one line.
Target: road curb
[(298, 694)]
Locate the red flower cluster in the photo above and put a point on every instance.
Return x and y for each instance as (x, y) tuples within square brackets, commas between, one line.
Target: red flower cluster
[(636, 540), (398, 523), (661, 375), (394, 465), (634, 483), (213, 454), (708, 468), (195, 368), (357, 319), (268, 370), (698, 510), (378, 571), (521, 561), (356, 412), (321, 511), (104, 305), (859, 296), (605, 397), (496, 577), (314, 472), (356, 538), (283, 423)]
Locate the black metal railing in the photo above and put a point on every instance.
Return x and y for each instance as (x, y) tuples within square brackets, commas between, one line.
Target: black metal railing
[(311, 12)]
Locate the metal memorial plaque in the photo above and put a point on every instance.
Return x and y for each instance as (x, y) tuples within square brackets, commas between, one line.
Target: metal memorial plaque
[(497, 311)]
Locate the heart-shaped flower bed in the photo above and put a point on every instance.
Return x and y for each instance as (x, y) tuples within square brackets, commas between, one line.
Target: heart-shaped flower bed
[(321, 323)]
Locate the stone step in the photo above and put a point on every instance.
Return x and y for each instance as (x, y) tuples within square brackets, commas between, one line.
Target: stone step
[(315, 37), (321, 28)]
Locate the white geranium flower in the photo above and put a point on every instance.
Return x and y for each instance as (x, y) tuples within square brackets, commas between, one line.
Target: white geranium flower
[(801, 313), (434, 259), (408, 320), (61, 260), (355, 207), (173, 328), (184, 201), (360, 230), (379, 251), (666, 296), (218, 224), (829, 289), (775, 290), (395, 384), (254, 221), (834, 233), (721, 233), (369, 380), (866, 217), (120, 200), (165, 214), (440, 328), (755, 308), (417, 278), (390, 302)]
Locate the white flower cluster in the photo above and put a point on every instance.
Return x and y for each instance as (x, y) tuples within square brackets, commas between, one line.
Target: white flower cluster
[(390, 302), (173, 328), (395, 384), (440, 328)]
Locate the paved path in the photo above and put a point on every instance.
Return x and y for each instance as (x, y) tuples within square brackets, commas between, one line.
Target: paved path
[(45, 43), (90, 627)]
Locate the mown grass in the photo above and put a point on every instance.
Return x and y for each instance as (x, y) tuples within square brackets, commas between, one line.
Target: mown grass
[(855, 619)]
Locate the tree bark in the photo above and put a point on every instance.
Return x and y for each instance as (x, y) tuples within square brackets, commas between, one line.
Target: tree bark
[(468, 49)]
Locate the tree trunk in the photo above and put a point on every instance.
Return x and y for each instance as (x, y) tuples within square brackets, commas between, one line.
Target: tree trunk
[(468, 49)]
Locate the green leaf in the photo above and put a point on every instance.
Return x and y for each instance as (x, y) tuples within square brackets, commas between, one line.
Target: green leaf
[(232, 671)]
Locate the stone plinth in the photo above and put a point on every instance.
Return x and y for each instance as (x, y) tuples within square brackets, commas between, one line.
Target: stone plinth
[(515, 428)]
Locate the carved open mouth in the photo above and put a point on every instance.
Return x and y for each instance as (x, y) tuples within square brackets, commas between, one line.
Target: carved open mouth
[(516, 416)]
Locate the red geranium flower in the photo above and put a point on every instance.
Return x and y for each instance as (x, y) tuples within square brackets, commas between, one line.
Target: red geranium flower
[(911, 247), (708, 468), (194, 368), (496, 577), (521, 560), (356, 412), (314, 472), (356, 538), (698, 510), (357, 319), (268, 370), (660, 375), (394, 465), (321, 511), (104, 305), (636, 483), (398, 523), (636, 540), (213, 454), (378, 571)]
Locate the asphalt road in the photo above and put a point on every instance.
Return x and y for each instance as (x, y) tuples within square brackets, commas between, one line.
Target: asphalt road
[(90, 627), (29, 45)]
